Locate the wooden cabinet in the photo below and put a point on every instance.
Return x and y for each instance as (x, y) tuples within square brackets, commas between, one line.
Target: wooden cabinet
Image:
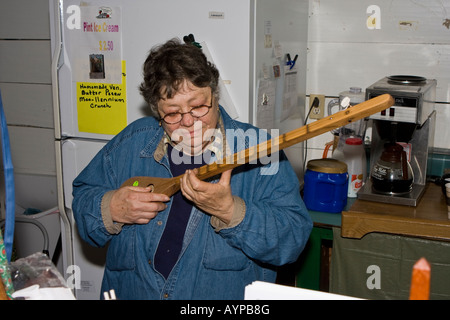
[(368, 251), (428, 220)]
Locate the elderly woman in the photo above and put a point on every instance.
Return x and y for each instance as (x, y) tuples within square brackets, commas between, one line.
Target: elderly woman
[(212, 238)]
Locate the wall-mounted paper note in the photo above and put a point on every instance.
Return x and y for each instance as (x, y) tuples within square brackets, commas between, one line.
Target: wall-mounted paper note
[(102, 107)]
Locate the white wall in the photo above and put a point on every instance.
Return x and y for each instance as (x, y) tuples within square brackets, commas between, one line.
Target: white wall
[(342, 52), (25, 84)]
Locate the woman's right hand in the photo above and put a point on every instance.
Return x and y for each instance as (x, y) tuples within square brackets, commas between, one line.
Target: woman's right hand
[(136, 205)]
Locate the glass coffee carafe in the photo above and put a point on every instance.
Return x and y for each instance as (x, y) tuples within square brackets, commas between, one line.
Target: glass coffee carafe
[(392, 174)]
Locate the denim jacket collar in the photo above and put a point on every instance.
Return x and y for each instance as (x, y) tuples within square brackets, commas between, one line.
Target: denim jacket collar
[(148, 149)]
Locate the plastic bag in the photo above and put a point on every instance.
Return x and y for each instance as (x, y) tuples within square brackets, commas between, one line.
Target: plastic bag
[(35, 277)]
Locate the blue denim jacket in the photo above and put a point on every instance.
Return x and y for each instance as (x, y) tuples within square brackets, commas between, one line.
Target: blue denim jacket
[(212, 265)]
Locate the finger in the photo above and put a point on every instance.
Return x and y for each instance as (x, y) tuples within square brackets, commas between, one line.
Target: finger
[(143, 212), (150, 209), (148, 190), (186, 180), (156, 197), (195, 183), (145, 217), (225, 178), (186, 189), (146, 197), (139, 189)]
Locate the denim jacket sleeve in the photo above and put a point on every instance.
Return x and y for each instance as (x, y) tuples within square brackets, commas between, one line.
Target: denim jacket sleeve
[(88, 190), (128, 154)]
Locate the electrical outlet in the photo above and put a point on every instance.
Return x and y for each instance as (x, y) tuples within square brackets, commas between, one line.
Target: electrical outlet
[(317, 112)]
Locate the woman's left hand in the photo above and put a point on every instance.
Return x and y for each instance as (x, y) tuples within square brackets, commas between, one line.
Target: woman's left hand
[(213, 198)]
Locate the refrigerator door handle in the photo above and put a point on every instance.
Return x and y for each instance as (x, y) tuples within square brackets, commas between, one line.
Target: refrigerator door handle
[(56, 63), (56, 6)]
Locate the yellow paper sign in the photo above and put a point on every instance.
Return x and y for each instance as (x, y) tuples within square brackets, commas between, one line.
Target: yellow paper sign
[(102, 107)]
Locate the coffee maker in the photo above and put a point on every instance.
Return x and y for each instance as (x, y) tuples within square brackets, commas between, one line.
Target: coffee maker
[(401, 140)]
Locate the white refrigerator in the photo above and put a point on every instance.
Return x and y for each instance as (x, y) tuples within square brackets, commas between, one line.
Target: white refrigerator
[(98, 49)]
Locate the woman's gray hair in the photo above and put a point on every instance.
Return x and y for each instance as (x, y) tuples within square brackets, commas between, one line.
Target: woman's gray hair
[(169, 65)]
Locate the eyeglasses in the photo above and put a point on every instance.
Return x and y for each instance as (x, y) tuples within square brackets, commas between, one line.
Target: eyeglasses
[(196, 112)]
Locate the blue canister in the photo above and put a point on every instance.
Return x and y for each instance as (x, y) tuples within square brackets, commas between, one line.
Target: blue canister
[(326, 182)]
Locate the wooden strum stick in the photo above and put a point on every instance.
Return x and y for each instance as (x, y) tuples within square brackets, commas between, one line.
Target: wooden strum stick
[(170, 186)]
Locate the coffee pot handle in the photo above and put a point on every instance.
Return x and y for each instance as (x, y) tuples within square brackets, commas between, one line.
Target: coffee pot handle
[(405, 165)]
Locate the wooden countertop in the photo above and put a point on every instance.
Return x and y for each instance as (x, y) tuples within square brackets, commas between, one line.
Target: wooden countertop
[(429, 219)]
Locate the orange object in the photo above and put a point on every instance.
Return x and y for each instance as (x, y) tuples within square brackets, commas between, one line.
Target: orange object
[(420, 281), (327, 148)]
